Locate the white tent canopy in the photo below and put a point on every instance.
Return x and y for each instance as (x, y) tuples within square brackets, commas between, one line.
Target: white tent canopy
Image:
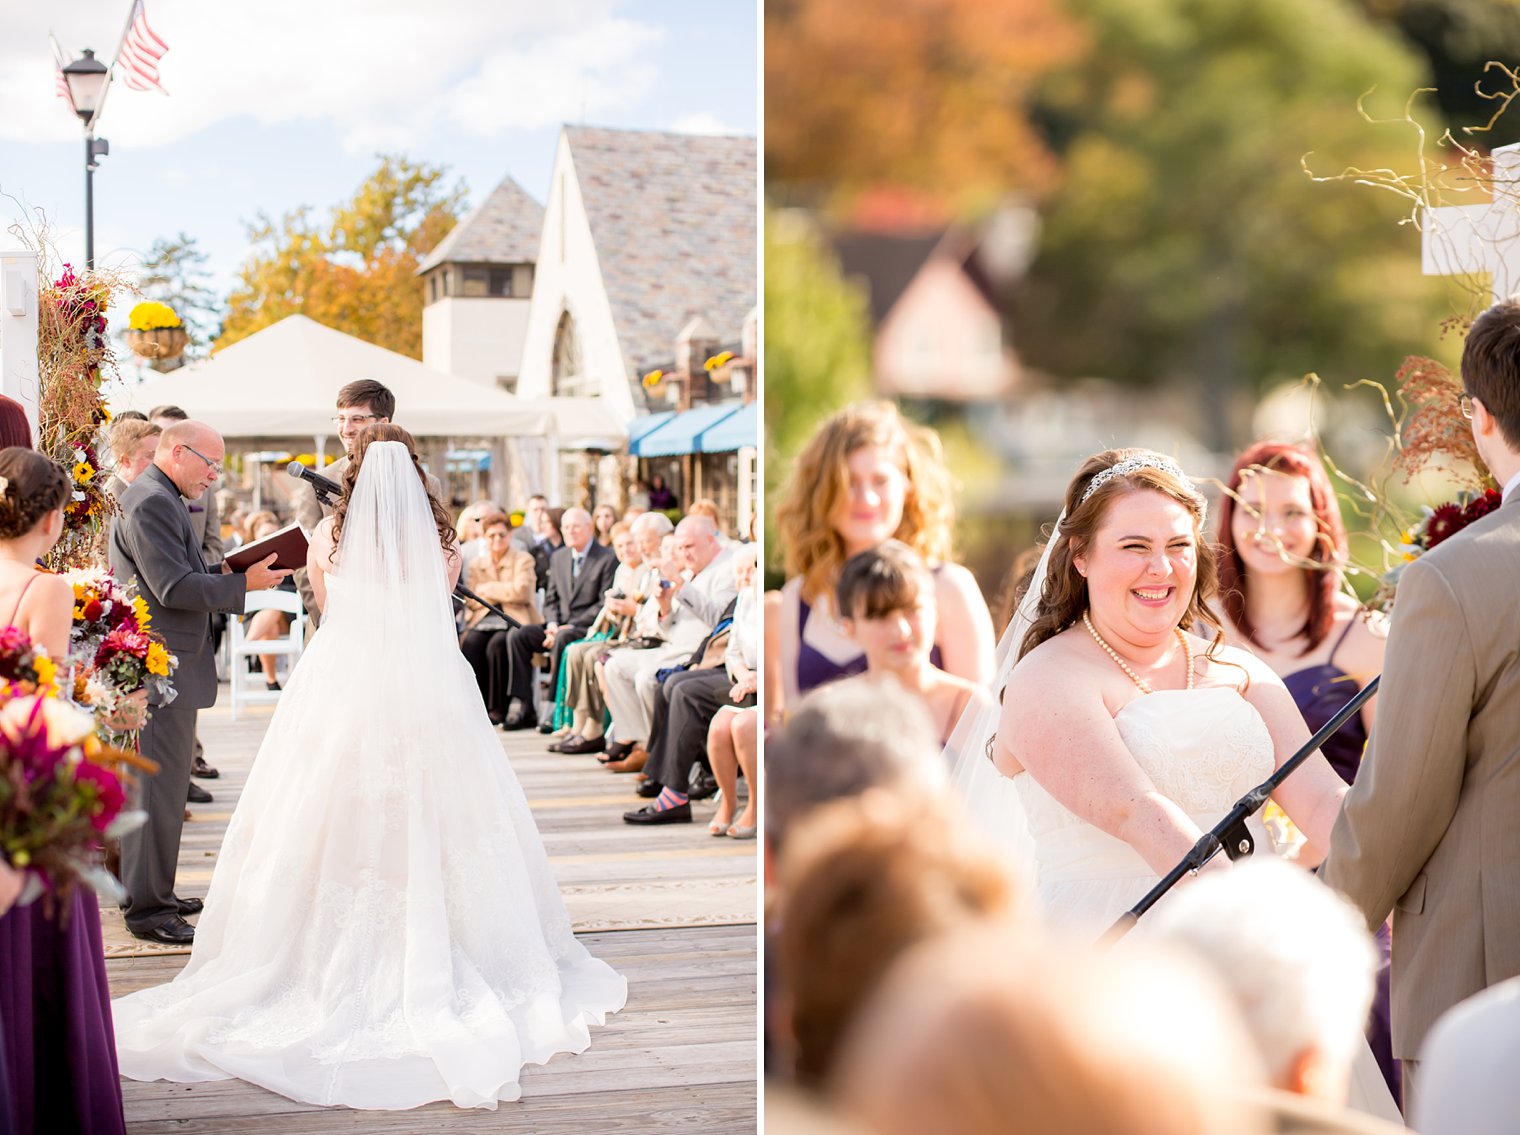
[(283, 382)]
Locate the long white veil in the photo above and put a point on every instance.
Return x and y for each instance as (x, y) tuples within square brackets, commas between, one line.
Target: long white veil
[(987, 796), (389, 561)]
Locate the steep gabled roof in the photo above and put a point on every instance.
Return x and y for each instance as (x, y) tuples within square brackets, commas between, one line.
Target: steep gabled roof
[(503, 229), (673, 217)]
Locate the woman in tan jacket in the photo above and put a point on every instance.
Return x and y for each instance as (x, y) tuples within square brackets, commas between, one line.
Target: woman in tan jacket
[(502, 575)]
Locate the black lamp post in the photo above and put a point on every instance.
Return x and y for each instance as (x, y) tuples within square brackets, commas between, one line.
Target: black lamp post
[(86, 77)]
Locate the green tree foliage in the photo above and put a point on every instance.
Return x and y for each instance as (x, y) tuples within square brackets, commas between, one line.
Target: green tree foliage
[(175, 273), (355, 270), (817, 348), (1186, 244), (1458, 37)]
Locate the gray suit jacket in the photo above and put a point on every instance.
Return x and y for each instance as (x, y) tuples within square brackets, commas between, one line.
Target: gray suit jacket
[(155, 547), (1429, 829), (576, 601)]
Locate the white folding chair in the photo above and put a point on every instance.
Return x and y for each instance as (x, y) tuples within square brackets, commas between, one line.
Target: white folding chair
[(244, 648)]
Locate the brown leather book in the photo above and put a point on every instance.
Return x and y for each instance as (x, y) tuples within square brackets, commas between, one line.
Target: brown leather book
[(288, 544)]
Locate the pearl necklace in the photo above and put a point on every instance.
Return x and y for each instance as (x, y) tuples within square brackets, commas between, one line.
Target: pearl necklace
[(1145, 687)]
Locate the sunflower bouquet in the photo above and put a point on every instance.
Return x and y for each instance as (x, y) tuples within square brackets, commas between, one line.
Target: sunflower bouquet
[(115, 652)]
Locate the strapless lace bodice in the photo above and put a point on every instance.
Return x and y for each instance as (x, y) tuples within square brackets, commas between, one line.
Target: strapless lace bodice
[(1203, 749)]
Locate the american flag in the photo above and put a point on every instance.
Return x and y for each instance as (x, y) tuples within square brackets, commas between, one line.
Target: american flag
[(60, 61), (140, 52)]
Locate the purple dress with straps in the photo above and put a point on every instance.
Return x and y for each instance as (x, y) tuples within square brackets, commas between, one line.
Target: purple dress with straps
[(59, 1048), (1319, 692)]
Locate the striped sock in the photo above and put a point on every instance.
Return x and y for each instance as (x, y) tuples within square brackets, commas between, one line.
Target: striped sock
[(669, 798)]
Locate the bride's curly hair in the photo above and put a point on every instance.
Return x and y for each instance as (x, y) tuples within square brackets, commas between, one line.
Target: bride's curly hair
[(1063, 597), (388, 431)]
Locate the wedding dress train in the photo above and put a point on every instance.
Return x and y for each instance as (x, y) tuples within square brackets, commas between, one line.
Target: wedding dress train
[(382, 928)]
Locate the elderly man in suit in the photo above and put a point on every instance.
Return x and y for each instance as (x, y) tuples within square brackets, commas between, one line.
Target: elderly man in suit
[(1428, 829), (580, 575), (154, 547)]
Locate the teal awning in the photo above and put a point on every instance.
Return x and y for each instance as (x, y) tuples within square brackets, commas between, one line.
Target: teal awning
[(736, 431), (642, 427), (679, 434)]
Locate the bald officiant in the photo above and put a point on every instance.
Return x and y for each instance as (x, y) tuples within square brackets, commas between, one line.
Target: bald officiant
[(155, 549)]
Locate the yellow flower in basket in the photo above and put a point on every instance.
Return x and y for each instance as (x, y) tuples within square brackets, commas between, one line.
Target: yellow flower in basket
[(151, 316)]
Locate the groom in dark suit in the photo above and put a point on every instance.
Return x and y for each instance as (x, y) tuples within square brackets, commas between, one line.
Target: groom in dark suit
[(155, 548), (580, 575)]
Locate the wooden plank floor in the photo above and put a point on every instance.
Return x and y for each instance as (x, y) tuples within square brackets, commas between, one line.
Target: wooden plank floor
[(669, 907)]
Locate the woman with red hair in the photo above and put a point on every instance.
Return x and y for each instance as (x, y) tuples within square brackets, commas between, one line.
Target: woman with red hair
[(1282, 550)]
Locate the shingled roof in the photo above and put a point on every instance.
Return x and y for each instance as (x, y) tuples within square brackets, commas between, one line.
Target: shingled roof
[(673, 218), (503, 229)]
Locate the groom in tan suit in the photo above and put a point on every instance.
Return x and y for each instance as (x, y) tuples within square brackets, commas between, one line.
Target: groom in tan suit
[(1431, 828)]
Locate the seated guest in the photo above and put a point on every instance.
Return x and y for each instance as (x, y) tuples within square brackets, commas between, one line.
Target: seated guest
[(733, 736), (525, 535), (1468, 1084), (686, 696), (886, 598), (550, 538), (578, 707), (645, 632), (865, 879), (579, 575), (266, 624), (503, 575), (689, 608), (1300, 965), (982, 1031), (603, 517), (469, 531), (706, 506)]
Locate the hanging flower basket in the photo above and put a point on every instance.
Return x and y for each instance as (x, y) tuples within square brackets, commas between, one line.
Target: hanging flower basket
[(159, 343)]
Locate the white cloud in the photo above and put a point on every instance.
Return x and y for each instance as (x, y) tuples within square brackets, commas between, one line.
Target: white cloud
[(386, 73)]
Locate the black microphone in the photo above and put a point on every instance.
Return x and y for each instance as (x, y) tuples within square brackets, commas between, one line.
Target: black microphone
[(326, 490)]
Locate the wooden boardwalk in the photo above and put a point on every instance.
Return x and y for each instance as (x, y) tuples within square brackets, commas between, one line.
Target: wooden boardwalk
[(670, 907)]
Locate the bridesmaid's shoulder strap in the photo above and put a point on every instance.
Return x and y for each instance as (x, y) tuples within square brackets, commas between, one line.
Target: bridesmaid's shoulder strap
[(16, 610)]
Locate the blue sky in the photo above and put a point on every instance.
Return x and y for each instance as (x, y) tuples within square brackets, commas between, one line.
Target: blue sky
[(286, 103)]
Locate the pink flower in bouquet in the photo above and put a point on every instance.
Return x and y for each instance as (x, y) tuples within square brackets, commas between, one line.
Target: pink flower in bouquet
[(109, 799)]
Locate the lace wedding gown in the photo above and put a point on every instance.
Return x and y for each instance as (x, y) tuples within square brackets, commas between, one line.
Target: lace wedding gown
[(383, 928), (1203, 749)]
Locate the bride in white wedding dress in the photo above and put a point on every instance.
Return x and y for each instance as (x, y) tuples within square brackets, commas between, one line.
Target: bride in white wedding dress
[(383, 929), (1122, 734)]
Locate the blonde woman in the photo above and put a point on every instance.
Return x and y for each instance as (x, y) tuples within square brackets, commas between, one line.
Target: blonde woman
[(868, 475)]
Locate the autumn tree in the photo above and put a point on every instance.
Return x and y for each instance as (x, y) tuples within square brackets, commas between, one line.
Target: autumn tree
[(355, 270), (1186, 245), (926, 94)]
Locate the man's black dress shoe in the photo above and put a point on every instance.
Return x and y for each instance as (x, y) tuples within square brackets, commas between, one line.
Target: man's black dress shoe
[(517, 719), (583, 745), (201, 769), (187, 907), (198, 795), (650, 789), (172, 931), (678, 814), (703, 786)]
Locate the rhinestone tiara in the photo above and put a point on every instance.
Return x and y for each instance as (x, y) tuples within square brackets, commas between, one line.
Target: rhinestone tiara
[(1131, 465)]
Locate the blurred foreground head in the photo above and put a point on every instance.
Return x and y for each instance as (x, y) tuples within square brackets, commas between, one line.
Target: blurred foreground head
[(982, 1035), (862, 881), (1296, 957), (842, 739)]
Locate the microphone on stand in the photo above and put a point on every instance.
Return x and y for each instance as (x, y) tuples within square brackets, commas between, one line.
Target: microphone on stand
[(327, 490)]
